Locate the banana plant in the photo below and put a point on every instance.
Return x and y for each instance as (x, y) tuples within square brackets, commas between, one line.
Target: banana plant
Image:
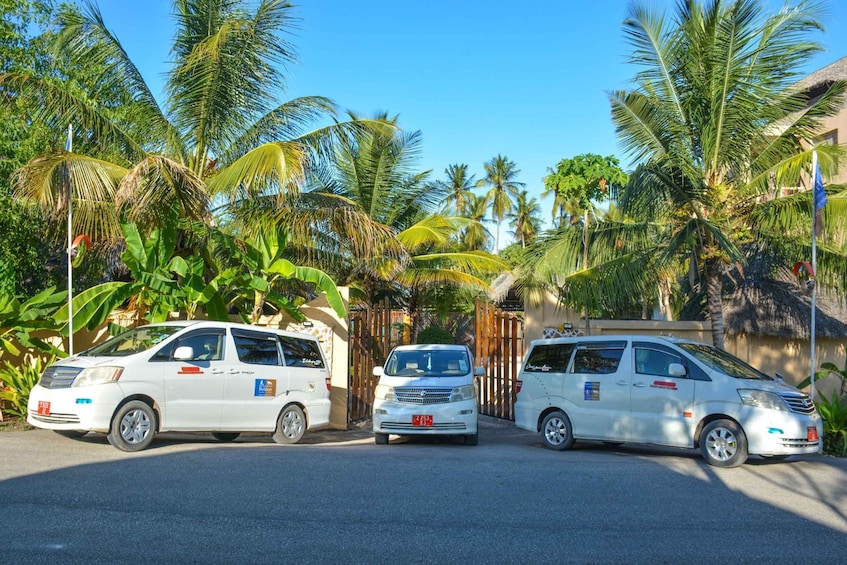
[(162, 284), (259, 256), (19, 322)]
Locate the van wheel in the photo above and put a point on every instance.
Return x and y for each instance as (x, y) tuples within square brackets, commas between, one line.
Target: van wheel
[(472, 439), (225, 436), (133, 426), (73, 434), (556, 431), (291, 425), (380, 439), (723, 444)]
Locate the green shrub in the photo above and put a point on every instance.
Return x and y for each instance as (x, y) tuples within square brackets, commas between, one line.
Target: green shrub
[(17, 381), (435, 334), (834, 414)]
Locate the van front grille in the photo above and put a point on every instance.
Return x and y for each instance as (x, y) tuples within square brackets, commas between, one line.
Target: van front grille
[(59, 377), (411, 395), (799, 403), (54, 418)]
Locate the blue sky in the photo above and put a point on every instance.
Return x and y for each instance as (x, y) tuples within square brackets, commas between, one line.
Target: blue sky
[(478, 78)]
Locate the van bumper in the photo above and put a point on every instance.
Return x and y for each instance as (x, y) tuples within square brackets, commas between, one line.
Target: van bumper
[(449, 418), (82, 408), (771, 432)]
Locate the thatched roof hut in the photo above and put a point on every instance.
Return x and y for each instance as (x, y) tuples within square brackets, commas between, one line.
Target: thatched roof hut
[(777, 306)]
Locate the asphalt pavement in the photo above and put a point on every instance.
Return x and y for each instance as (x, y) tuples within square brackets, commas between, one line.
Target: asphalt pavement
[(338, 498)]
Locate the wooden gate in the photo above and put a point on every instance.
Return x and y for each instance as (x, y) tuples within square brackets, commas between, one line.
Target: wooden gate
[(499, 348), (370, 342)]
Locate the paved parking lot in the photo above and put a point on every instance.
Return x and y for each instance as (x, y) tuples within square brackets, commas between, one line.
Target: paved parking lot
[(338, 498)]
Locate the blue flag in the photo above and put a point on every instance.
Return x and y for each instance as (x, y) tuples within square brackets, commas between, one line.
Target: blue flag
[(820, 200)]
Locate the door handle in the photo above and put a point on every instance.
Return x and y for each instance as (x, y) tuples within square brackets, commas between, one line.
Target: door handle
[(217, 372), (623, 383), (233, 371), (641, 385)]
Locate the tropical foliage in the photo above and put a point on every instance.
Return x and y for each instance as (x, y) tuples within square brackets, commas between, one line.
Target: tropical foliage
[(17, 380), (716, 128)]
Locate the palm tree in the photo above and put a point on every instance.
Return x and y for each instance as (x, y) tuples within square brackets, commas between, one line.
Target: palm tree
[(712, 121), (476, 236), (374, 170), (459, 186), (500, 174), (222, 133), (524, 220)]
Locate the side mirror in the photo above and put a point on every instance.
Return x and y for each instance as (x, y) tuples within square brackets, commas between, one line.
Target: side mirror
[(479, 371), (184, 353), (378, 371), (676, 370)]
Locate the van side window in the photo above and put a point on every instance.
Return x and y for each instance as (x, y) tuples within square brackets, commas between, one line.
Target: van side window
[(654, 362), (207, 344), (598, 358), (551, 358), (256, 348), (301, 352)]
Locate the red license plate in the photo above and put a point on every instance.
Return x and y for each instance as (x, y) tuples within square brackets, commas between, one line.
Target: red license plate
[(812, 433), (424, 420), (44, 407)]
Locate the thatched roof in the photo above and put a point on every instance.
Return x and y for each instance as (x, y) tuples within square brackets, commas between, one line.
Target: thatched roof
[(764, 305), (501, 285), (829, 74)]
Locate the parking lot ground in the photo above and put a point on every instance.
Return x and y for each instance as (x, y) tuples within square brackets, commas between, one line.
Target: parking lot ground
[(338, 498)]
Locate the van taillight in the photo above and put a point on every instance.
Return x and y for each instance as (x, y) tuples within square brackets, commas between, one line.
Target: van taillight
[(328, 384), (518, 386)]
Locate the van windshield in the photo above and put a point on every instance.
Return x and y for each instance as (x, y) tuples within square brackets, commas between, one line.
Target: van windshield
[(429, 363), (724, 362), (132, 341)]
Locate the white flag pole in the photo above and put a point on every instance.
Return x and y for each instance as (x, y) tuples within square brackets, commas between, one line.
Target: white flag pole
[(814, 271), (69, 148)]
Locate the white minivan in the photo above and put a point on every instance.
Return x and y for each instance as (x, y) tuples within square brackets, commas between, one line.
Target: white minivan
[(198, 376), (664, 391), (427, 390)]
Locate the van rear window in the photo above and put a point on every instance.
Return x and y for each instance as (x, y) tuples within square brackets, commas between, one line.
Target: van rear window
[(552, 358), (301, 352)]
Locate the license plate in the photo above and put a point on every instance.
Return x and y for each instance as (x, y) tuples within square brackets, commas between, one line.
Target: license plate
[(424, 420), (44, 407), (812, 433)]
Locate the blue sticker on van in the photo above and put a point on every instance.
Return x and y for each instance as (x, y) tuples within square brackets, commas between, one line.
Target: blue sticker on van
[(592, 391), (265, 387)]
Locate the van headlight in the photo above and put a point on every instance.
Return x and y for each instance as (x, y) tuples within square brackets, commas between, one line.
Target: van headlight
[(384, 392), (460, 393), (762, 399), (98, 376)]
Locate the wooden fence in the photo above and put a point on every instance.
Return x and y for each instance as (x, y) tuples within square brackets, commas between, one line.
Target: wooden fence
[(499, 348), (371, 340)]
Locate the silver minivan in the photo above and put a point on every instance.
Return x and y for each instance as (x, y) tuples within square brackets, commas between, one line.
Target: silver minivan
[(664, 391)]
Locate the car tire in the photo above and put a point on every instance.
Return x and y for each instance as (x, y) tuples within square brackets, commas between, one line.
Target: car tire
[(133, 426), (472, 439), (291, 425), (380, 439), (73, 434), (556, 431), (225, 436), (723, 444)]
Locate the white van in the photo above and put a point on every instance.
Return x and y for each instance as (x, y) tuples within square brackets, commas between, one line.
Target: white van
[(429, 390), (663, 391), (195, 376)]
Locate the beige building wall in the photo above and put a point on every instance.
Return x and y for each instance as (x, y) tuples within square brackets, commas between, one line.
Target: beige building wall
[(789, 357), (834, 130)]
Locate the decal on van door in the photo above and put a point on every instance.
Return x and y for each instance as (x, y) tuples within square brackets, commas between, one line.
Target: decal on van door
[(265, 387), (666, 385), (592, 391)]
